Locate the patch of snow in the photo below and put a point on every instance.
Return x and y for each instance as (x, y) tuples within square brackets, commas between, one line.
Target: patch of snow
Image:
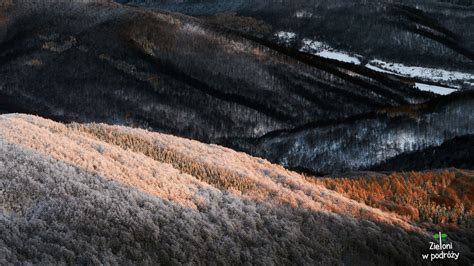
[(324, 50), (340, 56), (303, 14), (193, 28), (313, 46), (435, 89), (285, 36), (378, 69), (433, 74), (469, 83)]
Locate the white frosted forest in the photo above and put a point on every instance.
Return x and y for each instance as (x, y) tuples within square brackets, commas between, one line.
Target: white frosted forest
[(103, 194)]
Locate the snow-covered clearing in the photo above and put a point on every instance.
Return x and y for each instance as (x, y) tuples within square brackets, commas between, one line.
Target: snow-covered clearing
[(433, 74), (324, 50), (435, 89)]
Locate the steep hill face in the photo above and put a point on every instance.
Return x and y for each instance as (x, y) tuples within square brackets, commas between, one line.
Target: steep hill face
[(107, 194), (366, 141), (119, 64), (457, 152), (413, 32), (99, 61)]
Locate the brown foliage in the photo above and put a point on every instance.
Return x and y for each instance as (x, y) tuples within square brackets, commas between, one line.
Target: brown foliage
[(435, 197)]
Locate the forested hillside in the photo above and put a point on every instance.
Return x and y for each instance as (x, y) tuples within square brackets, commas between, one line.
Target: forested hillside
[(457, 152), (98, 194), (236, 132), (174, 74), (104, 62), (192, 77), (414, 32), (441, 200), (364, 141)]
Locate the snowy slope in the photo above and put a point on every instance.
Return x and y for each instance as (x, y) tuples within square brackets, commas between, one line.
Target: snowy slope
[(435, 89), (434, 74), (324, 50), (448, 81), (107, 194)]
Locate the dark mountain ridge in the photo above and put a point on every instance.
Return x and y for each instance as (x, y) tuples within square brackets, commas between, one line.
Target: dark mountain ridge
[(97, 61), (361, 142), (175, 73), (430, 33)]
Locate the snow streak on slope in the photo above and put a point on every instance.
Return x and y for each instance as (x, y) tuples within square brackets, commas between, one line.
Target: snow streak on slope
[(103, 194), (316, 48), (435, 89), (420, 72), (452, 79), (324, 50)]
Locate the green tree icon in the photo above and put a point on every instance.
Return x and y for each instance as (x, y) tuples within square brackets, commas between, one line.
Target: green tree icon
[(437, 235)]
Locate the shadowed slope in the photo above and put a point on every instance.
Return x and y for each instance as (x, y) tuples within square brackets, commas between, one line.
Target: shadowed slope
[(368, 140), (457, 152), (414, 32), (106, 62), (108, 194)]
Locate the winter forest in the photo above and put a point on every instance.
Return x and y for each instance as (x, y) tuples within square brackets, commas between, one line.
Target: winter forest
[(276, 132)]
